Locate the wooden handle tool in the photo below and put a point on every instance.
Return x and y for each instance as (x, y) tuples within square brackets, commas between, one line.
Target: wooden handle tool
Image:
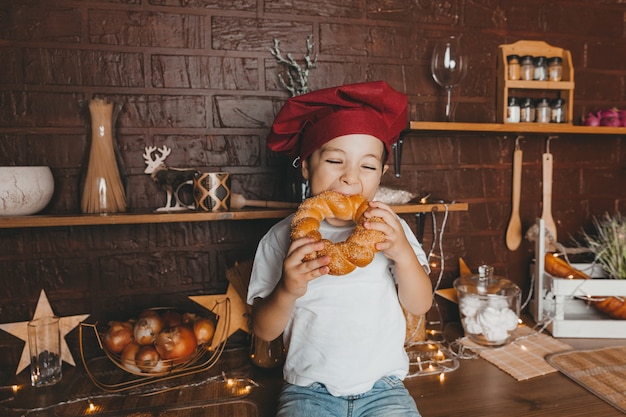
[(514, 230), (546, 215), (238, 201)]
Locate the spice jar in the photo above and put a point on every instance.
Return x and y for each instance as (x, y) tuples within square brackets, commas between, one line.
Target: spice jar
[(557, 113), (555, 68), (527, 68), (541, 68), (513, 110), (543, 111), (514, 67), (489, 307), (527, 110)]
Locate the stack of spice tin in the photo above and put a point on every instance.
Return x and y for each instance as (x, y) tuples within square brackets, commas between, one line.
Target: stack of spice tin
[(537, 68)]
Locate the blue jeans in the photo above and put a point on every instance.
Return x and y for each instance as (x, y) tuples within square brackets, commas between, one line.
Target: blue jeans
[(387, 398)]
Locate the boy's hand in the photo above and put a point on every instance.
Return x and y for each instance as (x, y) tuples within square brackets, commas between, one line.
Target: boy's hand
[(396, 245), (296, 272)]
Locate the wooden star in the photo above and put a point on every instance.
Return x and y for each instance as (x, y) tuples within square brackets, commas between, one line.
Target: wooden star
[(43, 309), (238, 309)]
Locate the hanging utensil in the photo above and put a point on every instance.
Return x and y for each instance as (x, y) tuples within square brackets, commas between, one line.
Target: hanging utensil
[(514, 230), (546, 215)]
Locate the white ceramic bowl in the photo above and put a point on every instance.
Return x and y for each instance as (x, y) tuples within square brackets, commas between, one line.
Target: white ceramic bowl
[(25, 190)]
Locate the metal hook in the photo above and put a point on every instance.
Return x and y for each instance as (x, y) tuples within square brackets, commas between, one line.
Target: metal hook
[(517, 147), (548, 142)]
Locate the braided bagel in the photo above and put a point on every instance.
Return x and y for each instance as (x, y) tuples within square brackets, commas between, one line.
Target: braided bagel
[(358, 250)]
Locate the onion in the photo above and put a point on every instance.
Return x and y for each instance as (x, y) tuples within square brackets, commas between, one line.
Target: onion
[(128, 357), (176, 342), (204, 329), (119, 334), (147, 327), (172, 318), (147, 358), (609, 117), (591, 120)]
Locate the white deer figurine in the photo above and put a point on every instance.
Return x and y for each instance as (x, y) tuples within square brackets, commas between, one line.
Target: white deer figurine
[(170, 179)]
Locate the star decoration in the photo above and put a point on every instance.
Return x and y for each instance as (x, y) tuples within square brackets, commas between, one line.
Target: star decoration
[(238, 309), (43, 309)]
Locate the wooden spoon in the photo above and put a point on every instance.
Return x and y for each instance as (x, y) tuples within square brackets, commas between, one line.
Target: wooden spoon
[(546, 214), (514, 230)]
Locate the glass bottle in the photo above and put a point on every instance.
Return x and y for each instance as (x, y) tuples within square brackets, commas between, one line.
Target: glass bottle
[(543, 111), (541, 68), (527, 69), (513, 111), (514, 67), (555, 68), (527, 110)]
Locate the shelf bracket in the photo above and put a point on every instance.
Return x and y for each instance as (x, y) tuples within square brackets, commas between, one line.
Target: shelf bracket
[(397, 154)]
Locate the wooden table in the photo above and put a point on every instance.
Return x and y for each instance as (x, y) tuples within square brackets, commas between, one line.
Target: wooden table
[(476, 388), (479, 389)]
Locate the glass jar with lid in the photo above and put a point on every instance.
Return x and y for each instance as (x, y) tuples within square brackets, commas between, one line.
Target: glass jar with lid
[(557, 113), (513, 110), (527, 110), (489, 307), (514, 67), (527, 68), (543, 111), (555, 68), (541, 68)]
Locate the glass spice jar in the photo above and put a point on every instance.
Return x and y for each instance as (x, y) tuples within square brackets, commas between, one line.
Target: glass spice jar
[(514, 67), (527, 68), (513, 110), (557, 112), (555, 68), (527, 110), (543, 111), (541, 68)]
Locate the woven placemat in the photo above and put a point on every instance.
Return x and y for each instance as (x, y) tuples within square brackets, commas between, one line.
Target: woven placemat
[(601, 371), (524, 357)]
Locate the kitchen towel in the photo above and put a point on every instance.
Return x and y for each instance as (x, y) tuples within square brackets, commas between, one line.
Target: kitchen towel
[(524, 357), (601, 371)]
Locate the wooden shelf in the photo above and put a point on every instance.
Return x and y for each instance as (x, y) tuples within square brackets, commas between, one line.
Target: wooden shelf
[(520, 128), (186, 216)]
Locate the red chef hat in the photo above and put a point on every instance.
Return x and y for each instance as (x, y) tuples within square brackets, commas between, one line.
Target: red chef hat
[(308, 121)]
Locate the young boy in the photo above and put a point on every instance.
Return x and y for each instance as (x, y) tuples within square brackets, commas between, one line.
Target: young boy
[(344, 334)]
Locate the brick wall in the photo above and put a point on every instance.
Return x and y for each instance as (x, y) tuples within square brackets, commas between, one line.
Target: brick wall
[(197, 76)]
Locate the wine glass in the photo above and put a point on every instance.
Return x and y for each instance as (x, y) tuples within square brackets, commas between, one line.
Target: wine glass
[(448, 65)]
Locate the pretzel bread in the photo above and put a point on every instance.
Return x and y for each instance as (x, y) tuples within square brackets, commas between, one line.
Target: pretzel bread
[(358, 250)]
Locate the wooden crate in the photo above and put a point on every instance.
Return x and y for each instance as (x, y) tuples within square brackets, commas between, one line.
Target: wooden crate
[(561, 302), (535, 89)]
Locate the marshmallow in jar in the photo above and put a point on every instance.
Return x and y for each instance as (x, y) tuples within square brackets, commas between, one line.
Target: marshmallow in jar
[(489, 307)]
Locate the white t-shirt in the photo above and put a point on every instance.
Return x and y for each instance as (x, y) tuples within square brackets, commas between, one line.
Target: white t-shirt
[(347, 331)]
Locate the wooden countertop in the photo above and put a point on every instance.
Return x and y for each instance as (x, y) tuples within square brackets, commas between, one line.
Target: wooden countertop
[(476, 389)]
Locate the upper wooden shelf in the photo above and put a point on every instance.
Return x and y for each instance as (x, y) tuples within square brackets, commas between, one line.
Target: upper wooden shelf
[(186, 216), (521, 128)]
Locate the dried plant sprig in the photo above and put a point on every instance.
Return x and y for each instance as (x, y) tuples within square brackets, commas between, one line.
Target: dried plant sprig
[(298, 75), (609, 244)]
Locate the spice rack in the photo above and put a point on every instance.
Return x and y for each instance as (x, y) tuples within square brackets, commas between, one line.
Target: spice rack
[(532, 88)]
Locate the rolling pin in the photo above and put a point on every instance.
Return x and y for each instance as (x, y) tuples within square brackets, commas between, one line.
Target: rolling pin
[(238, 201)]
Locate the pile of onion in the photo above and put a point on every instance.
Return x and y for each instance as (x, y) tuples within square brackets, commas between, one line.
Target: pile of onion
[(612, 117), (156, 341)]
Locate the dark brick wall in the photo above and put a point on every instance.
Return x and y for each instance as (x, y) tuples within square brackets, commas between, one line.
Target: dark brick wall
[(197, 76)]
